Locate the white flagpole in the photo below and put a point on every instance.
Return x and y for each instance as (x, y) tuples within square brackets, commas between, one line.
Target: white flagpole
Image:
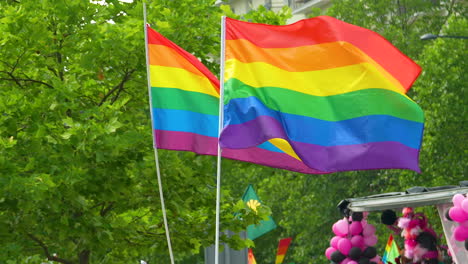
[(156, 159), (220, 127)]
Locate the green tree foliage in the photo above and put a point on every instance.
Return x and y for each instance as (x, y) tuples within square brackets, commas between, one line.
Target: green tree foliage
[(77, 176), (442, 93), (261, 15)]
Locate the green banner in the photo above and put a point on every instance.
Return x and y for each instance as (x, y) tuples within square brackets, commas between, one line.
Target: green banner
[(265, 226)]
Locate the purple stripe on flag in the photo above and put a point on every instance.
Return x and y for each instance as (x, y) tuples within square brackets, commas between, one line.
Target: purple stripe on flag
[(252, 133), (184, 141), (368, 156), (374, 155)]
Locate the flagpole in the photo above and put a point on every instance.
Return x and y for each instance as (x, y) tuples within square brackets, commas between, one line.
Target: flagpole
[(155, 148), (220, 127)]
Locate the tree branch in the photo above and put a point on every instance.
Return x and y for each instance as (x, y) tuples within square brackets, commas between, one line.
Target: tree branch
[(46, 251), (13, 68), (118, 87), (58, 55), (139, 217), (84, 257), (105, 210), (53, 71), (117, 95), (59, 60), (149, 234), (25, 80), (133, 243), (17, 61), (13, 78)]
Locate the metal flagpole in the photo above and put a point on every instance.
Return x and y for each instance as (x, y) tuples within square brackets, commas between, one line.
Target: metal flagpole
[(220, 127), (156, 159)]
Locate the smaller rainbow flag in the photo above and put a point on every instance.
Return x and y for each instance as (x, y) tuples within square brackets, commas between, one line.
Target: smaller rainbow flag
[(282, 249), (391, 251), (251, 258)]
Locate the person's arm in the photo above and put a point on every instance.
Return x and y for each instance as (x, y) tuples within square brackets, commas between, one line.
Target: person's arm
[(402, 259)]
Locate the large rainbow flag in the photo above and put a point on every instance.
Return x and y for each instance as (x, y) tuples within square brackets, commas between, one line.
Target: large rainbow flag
[(332, 92), (185, 101)]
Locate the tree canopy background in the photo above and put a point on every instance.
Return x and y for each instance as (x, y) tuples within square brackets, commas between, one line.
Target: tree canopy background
[(77, 177)]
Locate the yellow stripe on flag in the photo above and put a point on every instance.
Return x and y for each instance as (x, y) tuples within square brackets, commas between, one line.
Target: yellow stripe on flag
[(185, 80), (320, 83), (284, 146)]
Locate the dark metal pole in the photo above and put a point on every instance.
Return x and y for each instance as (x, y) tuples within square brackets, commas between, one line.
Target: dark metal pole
[(432, 36)]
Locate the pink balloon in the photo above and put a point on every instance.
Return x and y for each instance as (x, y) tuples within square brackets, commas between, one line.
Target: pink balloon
[(357, 241), (458, 199), (342, 226), (334, 241), (457, 214), (464, 205), (329, 251), (352, 262), (368, 230), (410, 243), (363, 222), (376, 259), (370, 240), (460, 233), (345, 261), (336, 231), (344, 245), (355, 228)]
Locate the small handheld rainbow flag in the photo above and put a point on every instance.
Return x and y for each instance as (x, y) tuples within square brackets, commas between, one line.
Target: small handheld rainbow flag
[(251, 258), (391, 251), (282, 249)]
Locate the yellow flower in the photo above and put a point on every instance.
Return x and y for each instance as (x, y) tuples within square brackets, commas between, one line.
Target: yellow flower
[(253, 204)]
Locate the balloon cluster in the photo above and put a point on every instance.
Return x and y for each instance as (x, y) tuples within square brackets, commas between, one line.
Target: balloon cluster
[(459, 214), (420, 239), (353, 242)]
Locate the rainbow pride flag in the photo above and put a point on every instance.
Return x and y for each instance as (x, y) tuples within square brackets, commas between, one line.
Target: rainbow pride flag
[(251, 257), (391, 251), (185, 101), (283, 246), (328, 93)]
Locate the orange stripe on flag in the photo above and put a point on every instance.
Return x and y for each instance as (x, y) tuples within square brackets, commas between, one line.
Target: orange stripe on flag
[(165, 56)]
